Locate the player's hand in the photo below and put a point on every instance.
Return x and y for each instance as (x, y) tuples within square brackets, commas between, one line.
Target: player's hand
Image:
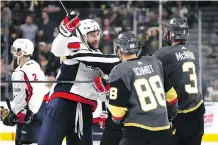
[(3, 112), (102, 120), (101, 85), (29, 116), (102, 88), (10, 120), (69, 24)]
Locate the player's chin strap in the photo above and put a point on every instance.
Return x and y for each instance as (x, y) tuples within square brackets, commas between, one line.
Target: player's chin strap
[(79, 118)]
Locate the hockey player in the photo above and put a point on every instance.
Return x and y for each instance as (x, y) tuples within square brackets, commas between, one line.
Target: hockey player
[(71, 105), (139, 91), (27, 106), (181, 64)]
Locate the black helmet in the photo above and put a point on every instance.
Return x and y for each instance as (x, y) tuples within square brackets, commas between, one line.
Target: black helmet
[(127, 43), (176, 29)]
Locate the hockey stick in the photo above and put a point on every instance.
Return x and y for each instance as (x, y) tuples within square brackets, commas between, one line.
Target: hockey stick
[(8, 104), (61, 82), (80, 33)]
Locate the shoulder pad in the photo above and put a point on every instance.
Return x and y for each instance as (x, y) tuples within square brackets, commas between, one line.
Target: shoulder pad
[(30, 66)]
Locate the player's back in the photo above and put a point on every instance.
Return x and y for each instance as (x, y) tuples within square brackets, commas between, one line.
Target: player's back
[(181, 64), (144, 79)]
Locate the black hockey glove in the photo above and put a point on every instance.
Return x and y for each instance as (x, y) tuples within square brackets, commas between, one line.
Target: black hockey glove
[(29, 116), (10, 120)]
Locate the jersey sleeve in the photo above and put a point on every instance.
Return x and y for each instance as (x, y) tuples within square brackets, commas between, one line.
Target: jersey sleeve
[(19, 92), (119, 96), (65, 46), (96, 59), (171, 98)]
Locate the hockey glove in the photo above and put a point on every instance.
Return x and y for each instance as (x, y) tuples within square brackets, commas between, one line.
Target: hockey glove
[(10, 120), (101, 85), (102, 120), (102, 88), (69, 24), (29, 116), (3, 112)]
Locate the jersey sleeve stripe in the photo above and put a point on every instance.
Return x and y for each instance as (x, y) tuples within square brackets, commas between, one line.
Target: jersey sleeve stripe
[(97, 59), (74, 97), (117, 112), (173, 101), (74, 45), (29, 87), (171, 95), (94, 57)]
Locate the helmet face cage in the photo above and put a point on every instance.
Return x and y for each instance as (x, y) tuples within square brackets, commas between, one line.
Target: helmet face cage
[(14, 51)]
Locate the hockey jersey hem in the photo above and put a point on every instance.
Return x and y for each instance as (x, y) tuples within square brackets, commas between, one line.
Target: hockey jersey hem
[(191, 109), (73, 97), (147, 127)]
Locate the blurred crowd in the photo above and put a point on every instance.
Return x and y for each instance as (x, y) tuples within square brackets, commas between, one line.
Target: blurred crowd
[(39, 20)]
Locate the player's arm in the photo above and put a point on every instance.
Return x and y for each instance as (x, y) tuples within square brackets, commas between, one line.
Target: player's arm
[(65, 46), (65, 43), (96, 59), (119, 97), (171, 98), (19, 92)]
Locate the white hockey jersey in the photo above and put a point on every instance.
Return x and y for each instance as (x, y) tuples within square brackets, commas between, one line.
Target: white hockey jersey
[(31, 94), (81, 64)]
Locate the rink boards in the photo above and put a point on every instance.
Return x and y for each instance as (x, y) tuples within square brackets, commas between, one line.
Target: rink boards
[(210, 122)]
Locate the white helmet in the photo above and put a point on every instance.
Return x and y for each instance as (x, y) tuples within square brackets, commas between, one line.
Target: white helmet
[(25, 45), (86, 26)]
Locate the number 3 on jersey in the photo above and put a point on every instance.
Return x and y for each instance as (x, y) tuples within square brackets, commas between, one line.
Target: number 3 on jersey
[(144, 91), (186, 68)]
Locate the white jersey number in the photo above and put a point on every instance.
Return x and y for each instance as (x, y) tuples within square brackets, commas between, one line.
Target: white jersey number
[(148, 90), (188, 87)]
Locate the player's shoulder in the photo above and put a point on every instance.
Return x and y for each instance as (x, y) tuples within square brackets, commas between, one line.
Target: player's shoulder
[(162, 51), (117, 72), (191, 47), (30, 66), (151, 59), (32, 63)]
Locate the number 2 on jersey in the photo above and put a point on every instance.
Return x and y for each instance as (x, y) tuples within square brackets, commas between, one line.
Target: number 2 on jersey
[(35, 77), (192, 76), (144, 91)]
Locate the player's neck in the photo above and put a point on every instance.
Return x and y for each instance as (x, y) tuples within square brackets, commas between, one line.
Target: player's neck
[(178, 42), (23, 60), (127, 57)]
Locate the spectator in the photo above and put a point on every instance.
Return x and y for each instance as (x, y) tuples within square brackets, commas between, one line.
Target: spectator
[(49, 63), (152, 20), (47, 29), (4, 76), (152, 42), (50, 78), (28, 30), (107, 38)]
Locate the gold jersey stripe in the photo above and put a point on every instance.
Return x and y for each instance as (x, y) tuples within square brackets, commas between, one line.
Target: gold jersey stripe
[(171, 95), (191, 109), (117, 111), (147, 127)]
